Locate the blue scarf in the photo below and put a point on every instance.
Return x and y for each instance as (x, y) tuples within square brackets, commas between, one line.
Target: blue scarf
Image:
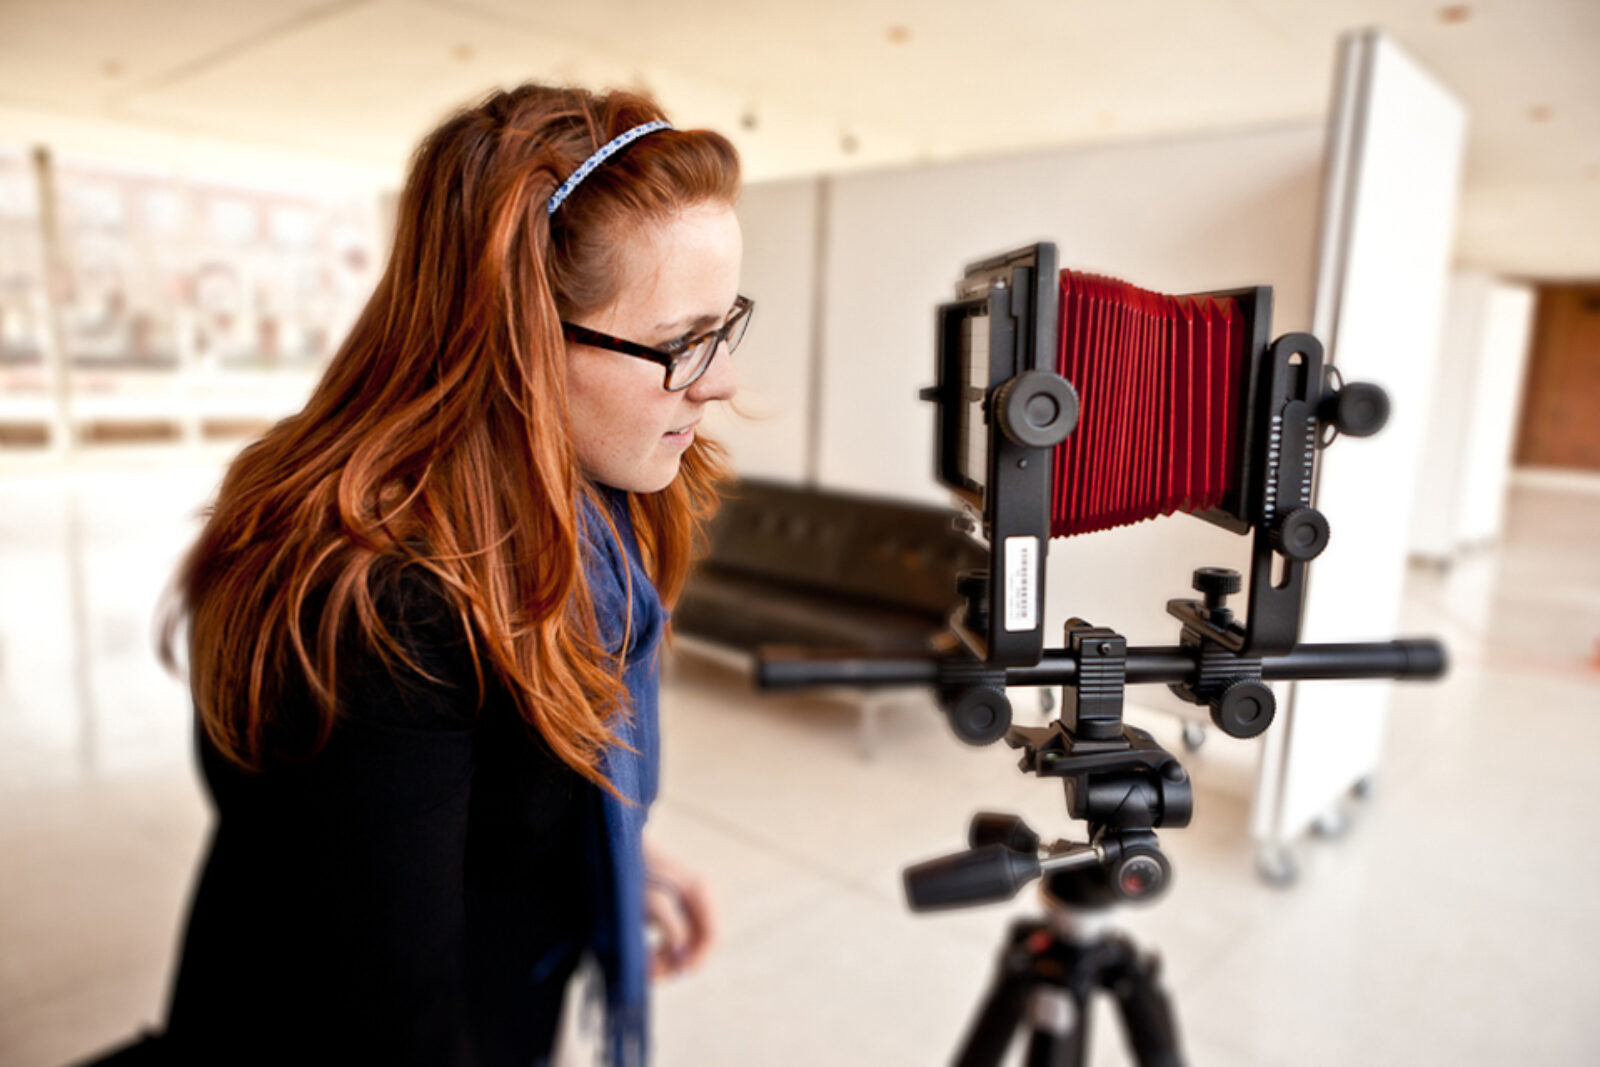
[(631, 621)]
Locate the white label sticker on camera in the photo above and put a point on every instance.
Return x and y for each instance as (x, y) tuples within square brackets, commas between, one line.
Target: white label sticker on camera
[(1022, 568)]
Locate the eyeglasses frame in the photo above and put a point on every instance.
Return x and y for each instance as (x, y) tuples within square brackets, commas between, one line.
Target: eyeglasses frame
[(668, 358)]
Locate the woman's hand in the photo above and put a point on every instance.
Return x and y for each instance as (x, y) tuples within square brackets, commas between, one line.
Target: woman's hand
[(680, 914)]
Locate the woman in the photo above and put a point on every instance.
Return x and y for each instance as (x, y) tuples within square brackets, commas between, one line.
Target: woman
[(425, 613)]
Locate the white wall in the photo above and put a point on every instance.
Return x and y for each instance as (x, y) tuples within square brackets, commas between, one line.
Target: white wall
[(769, 431)]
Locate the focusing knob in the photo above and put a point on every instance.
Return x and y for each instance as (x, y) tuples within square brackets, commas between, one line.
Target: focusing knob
[(1037, 409), (1245, 708), (979, 715), (1360, 409), (1301, 534)]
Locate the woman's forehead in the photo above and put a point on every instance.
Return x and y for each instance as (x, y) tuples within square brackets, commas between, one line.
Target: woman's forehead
[(681, 270)]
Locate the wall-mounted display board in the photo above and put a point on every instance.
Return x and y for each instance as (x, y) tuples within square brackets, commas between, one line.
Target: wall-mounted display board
[(26, 399), (176, 309)]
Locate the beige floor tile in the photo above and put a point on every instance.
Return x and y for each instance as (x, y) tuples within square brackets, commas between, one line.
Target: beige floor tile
[(1452, 921), (851, 981), (754, 883)]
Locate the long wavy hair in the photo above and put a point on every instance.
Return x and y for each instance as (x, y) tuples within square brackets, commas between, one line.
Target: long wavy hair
[(438, 437)]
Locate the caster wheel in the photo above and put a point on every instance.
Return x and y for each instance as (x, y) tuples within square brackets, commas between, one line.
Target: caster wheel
[(1047, 702), (1363, 788), (1194, 735), (1331, 824), (1277, 866)]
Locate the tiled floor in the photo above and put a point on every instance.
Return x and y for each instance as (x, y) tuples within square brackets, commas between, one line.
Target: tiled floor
[(1455, 921)]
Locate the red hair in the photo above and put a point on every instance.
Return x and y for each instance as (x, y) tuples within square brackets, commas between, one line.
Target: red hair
[(438, 438)]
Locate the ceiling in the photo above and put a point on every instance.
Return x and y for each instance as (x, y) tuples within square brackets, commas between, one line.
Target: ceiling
[(826, 86)]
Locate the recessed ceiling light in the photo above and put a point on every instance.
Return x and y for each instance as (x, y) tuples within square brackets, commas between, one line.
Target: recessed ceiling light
[(1453, 14), (749, 120), (1541, 113), (898, 34), (111, 68), (848, 144), (462, 53)]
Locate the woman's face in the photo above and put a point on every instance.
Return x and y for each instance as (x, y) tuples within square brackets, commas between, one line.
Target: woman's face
[(680, 278)]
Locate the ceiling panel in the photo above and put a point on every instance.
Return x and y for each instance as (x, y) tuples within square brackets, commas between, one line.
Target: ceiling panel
[(827, 85), (89, 53)]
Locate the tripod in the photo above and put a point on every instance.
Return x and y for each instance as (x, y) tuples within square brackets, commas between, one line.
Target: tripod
[(1117, 780), (1124, 784), (1048, 970)]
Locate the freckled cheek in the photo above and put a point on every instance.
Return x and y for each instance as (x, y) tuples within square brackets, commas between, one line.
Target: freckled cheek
[(619, 414)]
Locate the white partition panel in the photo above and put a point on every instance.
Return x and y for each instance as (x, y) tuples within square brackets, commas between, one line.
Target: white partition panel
[(1396, 141), (1498, 378), (1177, 215), (1476, 396), (768, 430), (1435, 516)]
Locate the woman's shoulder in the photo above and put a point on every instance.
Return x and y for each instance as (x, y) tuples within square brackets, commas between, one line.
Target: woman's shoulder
[(413, 660)]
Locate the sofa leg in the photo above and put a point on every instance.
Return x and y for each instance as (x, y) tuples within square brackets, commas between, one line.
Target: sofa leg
[(868, 726)]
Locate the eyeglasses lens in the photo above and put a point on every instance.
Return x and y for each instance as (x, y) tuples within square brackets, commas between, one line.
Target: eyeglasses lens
[(694, 363)]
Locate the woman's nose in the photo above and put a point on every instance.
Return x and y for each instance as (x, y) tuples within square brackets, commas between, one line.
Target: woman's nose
[(719, 382)]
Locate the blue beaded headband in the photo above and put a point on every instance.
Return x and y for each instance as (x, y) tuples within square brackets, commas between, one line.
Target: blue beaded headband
[(607, 150)]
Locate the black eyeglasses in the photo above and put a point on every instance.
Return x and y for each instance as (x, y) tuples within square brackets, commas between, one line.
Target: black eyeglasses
[(686, 359)]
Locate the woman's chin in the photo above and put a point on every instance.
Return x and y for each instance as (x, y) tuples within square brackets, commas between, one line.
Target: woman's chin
[(646, 478)]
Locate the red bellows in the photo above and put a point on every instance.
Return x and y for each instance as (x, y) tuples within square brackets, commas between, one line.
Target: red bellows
[(1158, 379)]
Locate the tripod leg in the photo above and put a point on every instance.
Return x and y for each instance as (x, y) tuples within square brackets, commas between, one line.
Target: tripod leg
[(1059, 1016), (1000, 1014), (1148, 1020), (996, 1022)]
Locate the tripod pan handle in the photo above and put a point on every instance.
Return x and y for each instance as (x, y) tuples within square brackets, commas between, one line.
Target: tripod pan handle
[(983, 875)]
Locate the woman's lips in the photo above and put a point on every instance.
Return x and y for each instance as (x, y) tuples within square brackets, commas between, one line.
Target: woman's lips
[(680, 437)]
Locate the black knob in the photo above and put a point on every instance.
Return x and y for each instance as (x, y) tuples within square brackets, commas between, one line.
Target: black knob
[(979, 715), (1301, 534), (1036, 409), (1245, 708), (981, 876), (999, 828), (1217, 583), (1360, 409), (973, 588), (1140, 873)]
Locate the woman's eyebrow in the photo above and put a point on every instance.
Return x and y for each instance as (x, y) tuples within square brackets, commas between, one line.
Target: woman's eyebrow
[(688, 323)]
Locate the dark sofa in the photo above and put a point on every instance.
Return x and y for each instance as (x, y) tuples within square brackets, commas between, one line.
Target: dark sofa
[(796, 565), (790, 564)]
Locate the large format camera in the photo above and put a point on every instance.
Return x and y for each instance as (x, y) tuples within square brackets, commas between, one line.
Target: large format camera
[(1068, 403)]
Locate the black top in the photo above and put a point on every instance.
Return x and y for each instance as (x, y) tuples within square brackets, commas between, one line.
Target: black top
[(417, 892)]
